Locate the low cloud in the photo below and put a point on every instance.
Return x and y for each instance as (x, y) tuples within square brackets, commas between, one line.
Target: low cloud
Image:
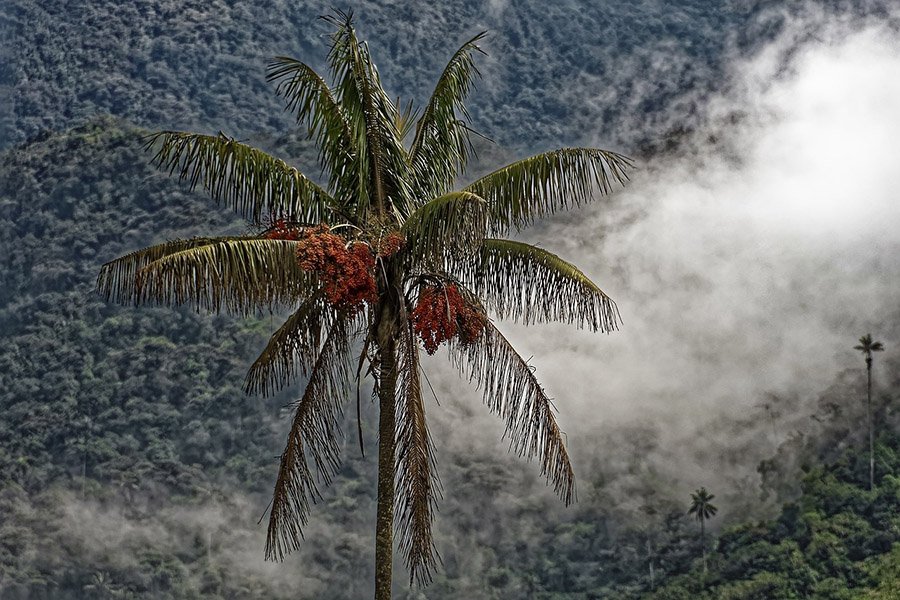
[(745, 264)]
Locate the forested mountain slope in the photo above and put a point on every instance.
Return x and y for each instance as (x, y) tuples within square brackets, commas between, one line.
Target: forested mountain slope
[(131, 461), (555, 72), (132, 465)]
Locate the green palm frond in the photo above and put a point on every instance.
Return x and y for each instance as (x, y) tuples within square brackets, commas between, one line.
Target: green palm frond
[(312, 441), (452, 225), (526, 283), (417, 482), (253, 183), (312, 100), (546, 183), (292, 350), (440, 149), (372, 117), (512, 391), (242, 276), (117, 279)]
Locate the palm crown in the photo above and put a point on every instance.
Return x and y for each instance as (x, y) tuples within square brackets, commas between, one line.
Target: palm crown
[(701, 505), (382, 258), (867, 346)]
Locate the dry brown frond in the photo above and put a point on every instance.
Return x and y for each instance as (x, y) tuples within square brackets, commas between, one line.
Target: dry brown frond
[(417, 481), (313, 438)]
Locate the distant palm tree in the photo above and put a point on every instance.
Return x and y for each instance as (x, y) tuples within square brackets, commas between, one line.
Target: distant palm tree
[(703, 509), (867, 347)]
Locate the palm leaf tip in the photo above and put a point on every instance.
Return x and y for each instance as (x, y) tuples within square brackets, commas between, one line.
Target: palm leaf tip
[(529, 284), (548, 183)]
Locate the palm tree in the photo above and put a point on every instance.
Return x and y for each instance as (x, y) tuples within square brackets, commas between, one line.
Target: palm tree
[(703, 509), (867, 347), (381, 259)]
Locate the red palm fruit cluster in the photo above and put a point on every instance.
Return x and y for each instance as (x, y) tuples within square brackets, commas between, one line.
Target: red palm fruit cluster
[(442, 313), (280, 230), (390, 244), (346, 273)]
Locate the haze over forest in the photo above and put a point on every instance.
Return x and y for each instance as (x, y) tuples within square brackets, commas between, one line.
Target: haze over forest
[(755, 243)]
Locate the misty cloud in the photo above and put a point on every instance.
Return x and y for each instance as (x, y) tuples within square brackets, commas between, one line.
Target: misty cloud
[(745, 267)]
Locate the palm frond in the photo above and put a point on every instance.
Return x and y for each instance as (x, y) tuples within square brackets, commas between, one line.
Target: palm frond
[(451, 226), (526, 283), (292, 349), (242, 276), (417, 481), (312, 100), (547, 183), (373, 120), (312, 440), (512, 391), (117, 279), (253, 183), (440, 149)]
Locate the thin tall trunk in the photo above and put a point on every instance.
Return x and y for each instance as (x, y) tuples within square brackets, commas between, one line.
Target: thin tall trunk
[(650, 557), (869, 421), (703, 543), (387, 445)]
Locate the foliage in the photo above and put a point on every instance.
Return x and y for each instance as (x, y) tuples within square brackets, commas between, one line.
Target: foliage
[(838, 540)]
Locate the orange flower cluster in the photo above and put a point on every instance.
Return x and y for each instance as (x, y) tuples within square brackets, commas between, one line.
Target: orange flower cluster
[(347, 273), (280, 230), (441, 313), (390, 244)]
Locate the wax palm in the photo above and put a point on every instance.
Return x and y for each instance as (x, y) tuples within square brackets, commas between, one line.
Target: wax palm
[(443, 248), (867, 347), (703, 509)]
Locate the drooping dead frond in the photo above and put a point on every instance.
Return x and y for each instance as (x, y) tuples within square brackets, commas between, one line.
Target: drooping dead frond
[(547, 183), (452, 225), (312, 441), (117, 278), (253, 183), (529, 284), (441, 147), (417, 481), (512, 391), (292, 350), (312, 100), (243, 276)]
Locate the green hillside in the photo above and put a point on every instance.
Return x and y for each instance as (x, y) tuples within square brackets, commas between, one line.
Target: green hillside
[(131, 461)]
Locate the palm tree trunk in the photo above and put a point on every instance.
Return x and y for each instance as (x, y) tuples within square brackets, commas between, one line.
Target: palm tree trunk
[(384, 527), (869, 421), (703, 543)]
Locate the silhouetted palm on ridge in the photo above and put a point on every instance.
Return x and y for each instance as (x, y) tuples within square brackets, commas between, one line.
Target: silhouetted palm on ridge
[(703, 509), (867, 347)]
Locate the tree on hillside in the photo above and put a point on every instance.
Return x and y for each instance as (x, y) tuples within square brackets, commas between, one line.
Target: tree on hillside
[(383, 259), (703, 509), (867, 347)]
